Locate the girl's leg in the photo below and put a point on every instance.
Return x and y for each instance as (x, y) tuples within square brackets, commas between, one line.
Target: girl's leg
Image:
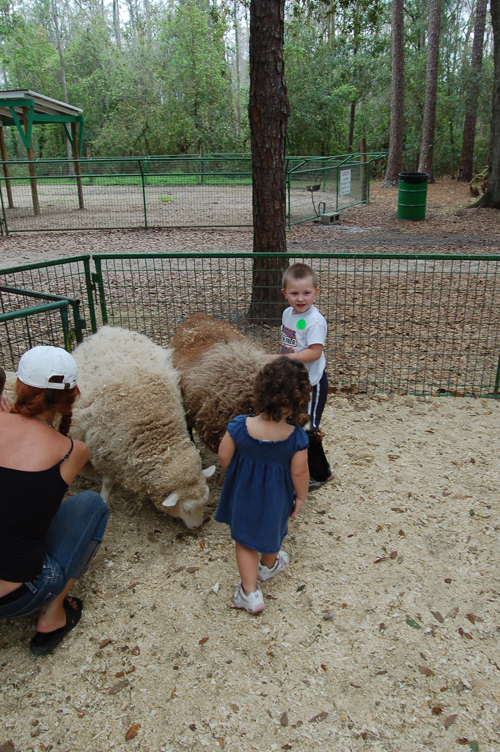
[(269, 560), (72, 541), (76, 533), (248, 562), (53, 616)]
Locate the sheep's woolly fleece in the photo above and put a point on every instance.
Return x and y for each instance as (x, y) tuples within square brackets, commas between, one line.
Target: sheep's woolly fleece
[(131, 417), (218, 366), (382, 635)]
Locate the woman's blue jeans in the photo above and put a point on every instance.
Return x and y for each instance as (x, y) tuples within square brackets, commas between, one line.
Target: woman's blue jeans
[(74, 536)]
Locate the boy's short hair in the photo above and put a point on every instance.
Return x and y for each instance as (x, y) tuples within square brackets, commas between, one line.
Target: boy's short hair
[(3, 379), (299, 271)]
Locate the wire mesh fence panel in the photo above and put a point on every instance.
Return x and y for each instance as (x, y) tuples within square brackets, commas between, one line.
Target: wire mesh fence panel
[(26, 328), (129, 193), (417, 323), (191, 191), (67, 278), (327, 185)]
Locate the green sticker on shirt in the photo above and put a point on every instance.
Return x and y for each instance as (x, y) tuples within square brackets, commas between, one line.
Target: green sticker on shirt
[(301, 324)]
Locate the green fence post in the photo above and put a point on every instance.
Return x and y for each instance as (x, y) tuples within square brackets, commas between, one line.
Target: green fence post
[(497, 381), (143, 196), (97, 280), (90, 297), (66, 329), (288, 208)]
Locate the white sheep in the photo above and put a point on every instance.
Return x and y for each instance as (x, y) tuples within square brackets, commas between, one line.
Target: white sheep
[(130, 416)]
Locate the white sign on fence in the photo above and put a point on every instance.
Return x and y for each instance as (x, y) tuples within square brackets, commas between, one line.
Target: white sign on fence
[(345, 182)]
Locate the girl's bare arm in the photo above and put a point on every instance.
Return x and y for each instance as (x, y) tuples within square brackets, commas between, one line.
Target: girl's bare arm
[(300, 478), (227, 448)]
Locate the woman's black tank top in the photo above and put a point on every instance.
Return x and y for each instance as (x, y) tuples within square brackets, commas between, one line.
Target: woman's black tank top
[(28, 504)]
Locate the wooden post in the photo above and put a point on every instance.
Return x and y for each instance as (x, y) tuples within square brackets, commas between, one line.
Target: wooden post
[(6, 171), (78, 170), (363, 171), (89, 157), (31, 168)]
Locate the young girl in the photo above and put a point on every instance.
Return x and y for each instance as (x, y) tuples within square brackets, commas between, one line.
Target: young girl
[(267, 476)]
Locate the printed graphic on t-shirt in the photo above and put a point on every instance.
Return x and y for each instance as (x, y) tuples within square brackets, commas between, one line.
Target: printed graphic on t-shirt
[(288, 340)]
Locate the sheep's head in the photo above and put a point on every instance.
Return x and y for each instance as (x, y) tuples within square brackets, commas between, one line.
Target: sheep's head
[(189, 510), (176, 483)]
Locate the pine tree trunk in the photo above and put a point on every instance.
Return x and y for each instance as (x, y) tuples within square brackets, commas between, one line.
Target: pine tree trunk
[(467, 159), (491, 197), (395, 159), (268, 114), (427, 149)]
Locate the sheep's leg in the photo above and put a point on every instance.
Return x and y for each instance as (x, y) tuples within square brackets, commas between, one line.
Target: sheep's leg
[(107, 485)]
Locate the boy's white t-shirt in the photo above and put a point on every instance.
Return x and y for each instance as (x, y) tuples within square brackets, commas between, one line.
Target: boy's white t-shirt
[(299, 331)]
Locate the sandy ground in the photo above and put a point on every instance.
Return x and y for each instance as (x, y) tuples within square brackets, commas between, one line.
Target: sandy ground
[(383, 633)]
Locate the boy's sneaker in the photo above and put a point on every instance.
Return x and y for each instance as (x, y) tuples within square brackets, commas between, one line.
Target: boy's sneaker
[(253, 602), (264, 573), (315, 484)]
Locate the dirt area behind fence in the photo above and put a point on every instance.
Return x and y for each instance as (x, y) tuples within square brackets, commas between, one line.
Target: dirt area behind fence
[(383, 633)]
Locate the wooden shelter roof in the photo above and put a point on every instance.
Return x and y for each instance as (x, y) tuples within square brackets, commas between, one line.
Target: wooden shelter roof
[(19, 98)]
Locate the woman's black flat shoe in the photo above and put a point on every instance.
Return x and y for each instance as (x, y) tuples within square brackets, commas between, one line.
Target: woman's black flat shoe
[(44, 643)]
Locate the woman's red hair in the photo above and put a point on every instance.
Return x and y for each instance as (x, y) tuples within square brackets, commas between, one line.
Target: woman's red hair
[(31, 401)]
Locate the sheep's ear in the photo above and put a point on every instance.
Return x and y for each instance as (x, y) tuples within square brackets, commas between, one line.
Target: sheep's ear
[(209, 471), (171, 500)]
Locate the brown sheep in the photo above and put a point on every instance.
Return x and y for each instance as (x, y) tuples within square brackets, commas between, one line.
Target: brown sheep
[(218, 365)]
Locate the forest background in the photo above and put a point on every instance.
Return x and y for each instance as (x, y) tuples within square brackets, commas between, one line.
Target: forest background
[(171, 76)]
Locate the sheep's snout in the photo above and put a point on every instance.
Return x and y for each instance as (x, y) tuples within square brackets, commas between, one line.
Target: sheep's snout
[(191, 513), (192, 519)]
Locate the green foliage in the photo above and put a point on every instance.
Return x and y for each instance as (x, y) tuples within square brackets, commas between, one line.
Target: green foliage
[(167, 86)]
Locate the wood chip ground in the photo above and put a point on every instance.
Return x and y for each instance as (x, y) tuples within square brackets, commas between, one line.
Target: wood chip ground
[(383, 633)]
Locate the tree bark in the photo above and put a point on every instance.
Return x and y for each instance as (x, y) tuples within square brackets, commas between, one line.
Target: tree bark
[(116, 23), (268, 114), (237, 55), (491, 197), (467, 159), (427, 149), (395, 159)]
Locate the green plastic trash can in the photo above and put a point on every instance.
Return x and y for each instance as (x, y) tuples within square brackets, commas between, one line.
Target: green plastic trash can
[(412, 195)]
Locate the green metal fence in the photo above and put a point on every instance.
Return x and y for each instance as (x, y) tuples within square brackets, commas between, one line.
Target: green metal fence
[(212, 191), (426, 324), (333, 184), (63, 291), (416, 323)]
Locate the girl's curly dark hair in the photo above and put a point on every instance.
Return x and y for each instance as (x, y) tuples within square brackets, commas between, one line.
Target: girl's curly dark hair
[(283, 383), (31, 401)]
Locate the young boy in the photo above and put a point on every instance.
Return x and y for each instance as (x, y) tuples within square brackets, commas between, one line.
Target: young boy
[(303, 335)]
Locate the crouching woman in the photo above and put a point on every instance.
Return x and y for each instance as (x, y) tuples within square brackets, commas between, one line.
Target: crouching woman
[(44, 545)]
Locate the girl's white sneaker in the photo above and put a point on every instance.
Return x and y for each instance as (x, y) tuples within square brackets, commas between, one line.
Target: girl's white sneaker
[(253, 602), (264, 573)]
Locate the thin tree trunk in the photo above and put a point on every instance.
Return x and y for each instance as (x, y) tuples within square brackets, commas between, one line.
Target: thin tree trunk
[(427, 150), (395, 160), (268, 114), (467, 160), (352, 114), (116, 23), (237, 54), (55, 19), (491, 197)]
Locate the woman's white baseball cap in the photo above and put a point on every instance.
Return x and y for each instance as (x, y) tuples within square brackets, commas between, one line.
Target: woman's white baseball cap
[(47, 367)]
